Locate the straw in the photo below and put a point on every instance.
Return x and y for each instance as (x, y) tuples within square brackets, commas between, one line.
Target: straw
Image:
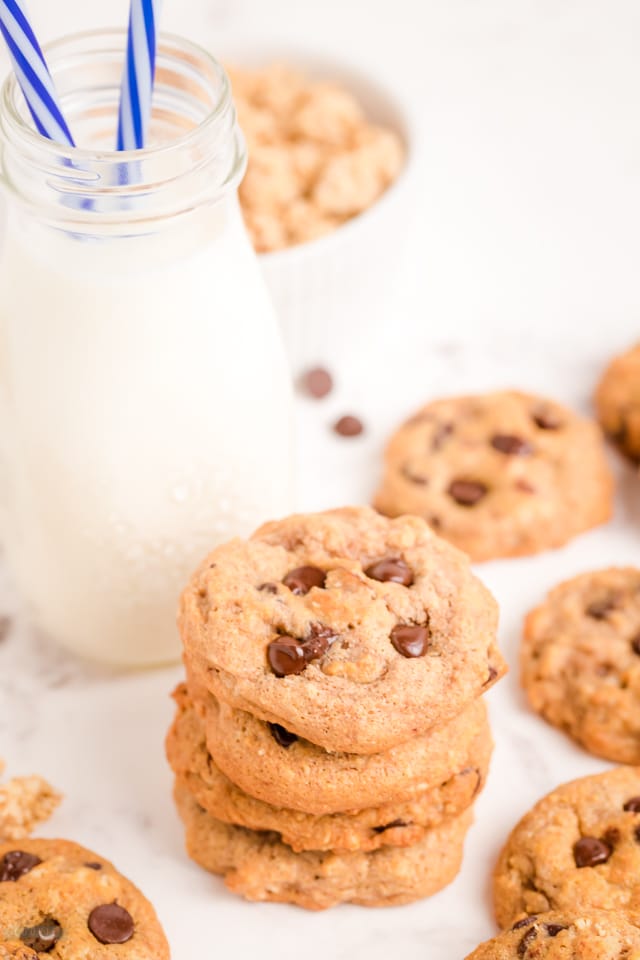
[(138, 75), (32, 73)]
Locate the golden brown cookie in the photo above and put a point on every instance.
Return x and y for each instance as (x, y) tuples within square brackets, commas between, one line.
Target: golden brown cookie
[(393, 824), (351, 630), (618, 402), (581, 661), (577, 850), (594, 935), (260, 867), (288, 771), (60, 899), (499, 474)]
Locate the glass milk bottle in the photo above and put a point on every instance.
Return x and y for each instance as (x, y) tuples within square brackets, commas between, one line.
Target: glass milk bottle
[(145, 404)]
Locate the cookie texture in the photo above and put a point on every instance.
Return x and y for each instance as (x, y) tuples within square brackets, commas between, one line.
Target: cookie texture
[(60, 899), (578, 849), (581, 661), (351, 630), (25, 802), (618, 403), (392, 824), (260, 867), (285, 770), (498, 475), (595, 935)]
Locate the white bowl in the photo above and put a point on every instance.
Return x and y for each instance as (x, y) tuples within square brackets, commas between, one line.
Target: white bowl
[(332, 293)]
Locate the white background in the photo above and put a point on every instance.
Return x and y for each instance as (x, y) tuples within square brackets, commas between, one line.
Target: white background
[(523, 271)]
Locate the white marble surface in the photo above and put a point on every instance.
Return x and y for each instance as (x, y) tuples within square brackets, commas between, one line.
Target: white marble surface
[(523, 271)]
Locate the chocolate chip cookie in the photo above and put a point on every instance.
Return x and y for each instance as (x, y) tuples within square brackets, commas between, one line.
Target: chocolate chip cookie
[(393, 824), (351, 630), (60, 899), (618, 403), (499, 475), (259, 866), (594, 935), (581, 661), (287, 771), (576, 850)]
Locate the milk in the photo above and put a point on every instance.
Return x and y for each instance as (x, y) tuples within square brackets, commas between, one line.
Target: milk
[(145, 415)]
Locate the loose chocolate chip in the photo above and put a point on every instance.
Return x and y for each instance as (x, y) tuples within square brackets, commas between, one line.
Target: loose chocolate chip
[(111, 923), (633, 805), (410, 641), (281, 736), (286, 656), (390, 826), (15, 864), (302, 579), (317, 382), (510, 444), (599, 609), (391, 569), (467, 492), (553, 929), (635, 644), (589, 852), (94, 866), (348, 426), (525, 922), (42, 938), (528, 938), (546, 420), (268, 588)]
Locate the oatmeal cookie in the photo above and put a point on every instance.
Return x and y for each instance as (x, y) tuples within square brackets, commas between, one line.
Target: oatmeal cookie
[(577, 850), (618, 403), (259, 866), (351, 630), (581, 661), (498, 475)]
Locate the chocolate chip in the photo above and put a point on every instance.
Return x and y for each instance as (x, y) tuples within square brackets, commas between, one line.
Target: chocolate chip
[(467, 492), (348, 426), (43, 937), (589, 852), (111, 923), (94, 866), (633, 805), (286, 656), (410, 641), (390, 826), (528, 938), (611, 837), (493, 674), (268, 588), (635, 644), (525, 922), (546, 419), (510, 444), (599, 609), (637, 834), (553, 929), (391, 569), (317, 382), (281, 736), (15, 864), (302, 579)]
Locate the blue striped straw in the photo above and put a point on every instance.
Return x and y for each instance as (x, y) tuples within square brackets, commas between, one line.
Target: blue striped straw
[(33, 74), (138, 75)]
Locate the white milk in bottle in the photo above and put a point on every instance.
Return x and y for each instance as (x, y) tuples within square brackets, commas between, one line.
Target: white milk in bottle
[(145, 402)]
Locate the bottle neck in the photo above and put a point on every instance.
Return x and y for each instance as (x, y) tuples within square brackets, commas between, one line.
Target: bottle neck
[(196, 153)]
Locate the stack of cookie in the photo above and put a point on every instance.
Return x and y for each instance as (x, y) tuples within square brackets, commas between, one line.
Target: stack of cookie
[(330, 740)]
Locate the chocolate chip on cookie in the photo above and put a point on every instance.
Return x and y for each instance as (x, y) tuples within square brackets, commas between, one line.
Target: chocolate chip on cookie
[(410, 640), (390, 569), (15, 864), (302, 579), (43, 937), (515, 474), (111, 923), (288, 655), (589, 852), (281, 736)]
